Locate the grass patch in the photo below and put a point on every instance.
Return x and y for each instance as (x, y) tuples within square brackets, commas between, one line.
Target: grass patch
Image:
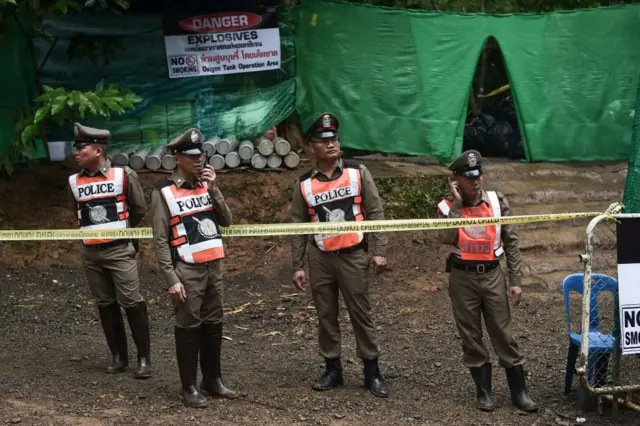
[(412, 197)]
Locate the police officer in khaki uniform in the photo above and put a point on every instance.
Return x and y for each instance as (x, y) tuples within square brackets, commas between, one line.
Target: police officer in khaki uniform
[(188, 209), (335, 191), (106, 197), (477, 286)]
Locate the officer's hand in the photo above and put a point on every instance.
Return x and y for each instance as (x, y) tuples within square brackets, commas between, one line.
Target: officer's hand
[(300, 280), (515, 294), (177, 293), (209, 176), (455, 190), (379, 264)]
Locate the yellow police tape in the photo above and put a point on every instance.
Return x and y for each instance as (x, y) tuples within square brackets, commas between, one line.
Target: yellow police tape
[(259, 230), (497, 91)]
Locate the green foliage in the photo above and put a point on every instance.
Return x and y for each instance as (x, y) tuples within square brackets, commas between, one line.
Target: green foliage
[(412, 198), (62, 106), (92, 47)]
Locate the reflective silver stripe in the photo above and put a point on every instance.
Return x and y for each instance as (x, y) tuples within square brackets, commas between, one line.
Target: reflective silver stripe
[(497, 212), (120, 224), (308, 191)]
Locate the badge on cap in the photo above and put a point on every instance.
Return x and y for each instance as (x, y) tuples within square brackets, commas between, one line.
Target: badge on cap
[(194, 136), (472, 160), (326, 121)]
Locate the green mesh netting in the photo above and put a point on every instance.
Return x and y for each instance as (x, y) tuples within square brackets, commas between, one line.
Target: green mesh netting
[(244, 105), (17, 87)]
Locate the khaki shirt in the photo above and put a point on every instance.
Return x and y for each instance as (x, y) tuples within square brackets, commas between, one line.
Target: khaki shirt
[(135, 194), (510, 239), (372, 209), (160, 224)]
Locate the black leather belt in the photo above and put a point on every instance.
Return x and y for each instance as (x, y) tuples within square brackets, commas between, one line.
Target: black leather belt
[(479, 267), (108, 245)]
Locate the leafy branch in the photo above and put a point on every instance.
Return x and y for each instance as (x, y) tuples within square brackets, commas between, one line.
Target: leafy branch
[(33, 20), (62, 105)]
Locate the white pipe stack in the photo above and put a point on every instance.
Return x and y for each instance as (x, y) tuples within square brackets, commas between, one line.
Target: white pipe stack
[(258, 161), (210, 146), (265, 146), (120, 159), (136, 162), (282, 147), (227, 145), (169, 162), (274, 161), (232, 160), (291, 160), (246, 150), (217, 161), (154, 159)]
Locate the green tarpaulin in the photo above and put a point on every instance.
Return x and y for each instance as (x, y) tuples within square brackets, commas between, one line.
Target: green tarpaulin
[(631, 199), (17, 85), (400, 79)]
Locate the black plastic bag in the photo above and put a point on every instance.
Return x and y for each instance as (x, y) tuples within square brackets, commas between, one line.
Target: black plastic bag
[(498, 138), (476, 130)]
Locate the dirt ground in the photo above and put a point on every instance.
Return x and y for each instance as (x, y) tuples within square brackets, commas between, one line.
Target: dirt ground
[(52, 359)]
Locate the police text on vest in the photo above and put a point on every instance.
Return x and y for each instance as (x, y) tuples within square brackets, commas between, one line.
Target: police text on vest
[(334, 194), (96, 189)]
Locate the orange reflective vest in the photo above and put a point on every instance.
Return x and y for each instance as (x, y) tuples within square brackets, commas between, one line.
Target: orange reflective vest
[(101, 201), (478, 243), (339, 200), (195, 236)]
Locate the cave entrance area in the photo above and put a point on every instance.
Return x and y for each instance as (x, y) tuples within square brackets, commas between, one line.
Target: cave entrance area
[(491, 124)]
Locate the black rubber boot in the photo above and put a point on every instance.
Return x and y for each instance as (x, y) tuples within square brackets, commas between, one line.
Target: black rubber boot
[(210, 362), (139, 323), (519, 393), (113, 326), (373, 379), (482, 378), (187, 347), (332, 377)]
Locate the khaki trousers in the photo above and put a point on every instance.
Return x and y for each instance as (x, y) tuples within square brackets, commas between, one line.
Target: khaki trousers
[(205, 294), (474, 295), (346, 274), (113, 275)]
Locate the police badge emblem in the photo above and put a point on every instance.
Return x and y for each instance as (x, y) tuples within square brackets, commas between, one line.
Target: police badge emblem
[(472, 160), (326, 121), (477, 232), (98, 214), (207, 228), (335, 215)]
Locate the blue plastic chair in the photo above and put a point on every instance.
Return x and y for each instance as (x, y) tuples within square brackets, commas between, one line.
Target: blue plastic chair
[(599, 343)]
